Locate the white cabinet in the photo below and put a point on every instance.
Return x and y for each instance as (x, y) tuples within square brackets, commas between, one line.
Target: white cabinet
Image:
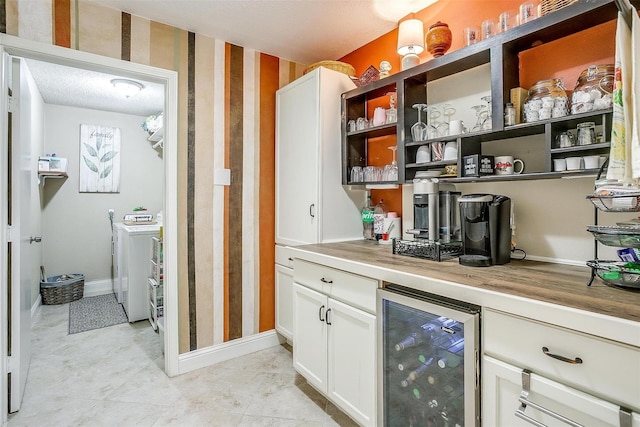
[(335, 341), (284, 301), (503, 397), (312, 206), (555, 372)]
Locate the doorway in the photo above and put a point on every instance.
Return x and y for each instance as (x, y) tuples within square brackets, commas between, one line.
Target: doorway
[(29, 50)]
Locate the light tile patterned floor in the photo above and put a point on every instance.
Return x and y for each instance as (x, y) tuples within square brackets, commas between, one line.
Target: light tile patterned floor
[(113, 377)]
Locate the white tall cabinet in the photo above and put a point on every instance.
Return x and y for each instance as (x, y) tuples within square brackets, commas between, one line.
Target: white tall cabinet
[(312, 206)]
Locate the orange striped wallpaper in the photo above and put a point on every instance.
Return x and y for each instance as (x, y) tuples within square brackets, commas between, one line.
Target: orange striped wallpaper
[(241, 252)]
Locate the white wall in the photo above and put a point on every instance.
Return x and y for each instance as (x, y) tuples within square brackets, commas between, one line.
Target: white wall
[(77, 232), (551, 216)]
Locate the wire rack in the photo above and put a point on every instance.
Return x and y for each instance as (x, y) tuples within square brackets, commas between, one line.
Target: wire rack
[(435, 251)]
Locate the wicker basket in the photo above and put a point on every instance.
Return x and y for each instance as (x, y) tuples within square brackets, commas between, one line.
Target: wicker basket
[(62, 289), (341, 67), (548, 6)]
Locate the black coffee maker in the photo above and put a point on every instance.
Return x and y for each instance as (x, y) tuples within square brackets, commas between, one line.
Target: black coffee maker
[(486, 231)]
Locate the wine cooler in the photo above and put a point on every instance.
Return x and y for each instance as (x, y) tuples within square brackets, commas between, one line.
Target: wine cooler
[(429, 362)]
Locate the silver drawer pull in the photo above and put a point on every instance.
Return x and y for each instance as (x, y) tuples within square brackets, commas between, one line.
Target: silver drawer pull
[(525, 402), (575, 361), (323, 280)]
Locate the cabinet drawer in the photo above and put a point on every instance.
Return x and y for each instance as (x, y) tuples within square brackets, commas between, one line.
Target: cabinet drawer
[(609, 369), (349, 288), (283, 256)]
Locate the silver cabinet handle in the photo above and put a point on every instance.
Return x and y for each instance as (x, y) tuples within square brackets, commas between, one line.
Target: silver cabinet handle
[(320, 313), (327, 317), (323, 280), (575, 361), (311, 209), (36, 239), (524, 402)]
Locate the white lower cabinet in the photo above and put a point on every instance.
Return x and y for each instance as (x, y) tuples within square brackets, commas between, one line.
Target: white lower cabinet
[(335, 342), (547, 401), (284, 301), (535, 373)]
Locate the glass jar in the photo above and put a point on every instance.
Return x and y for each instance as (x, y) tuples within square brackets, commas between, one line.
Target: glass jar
[(547, 99), (586, 133), (593, 89)]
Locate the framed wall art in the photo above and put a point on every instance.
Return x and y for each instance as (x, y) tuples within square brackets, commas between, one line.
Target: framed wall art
[(99, 159)]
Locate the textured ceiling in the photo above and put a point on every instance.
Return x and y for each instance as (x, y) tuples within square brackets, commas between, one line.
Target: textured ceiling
[(303, 31), (73, 87)]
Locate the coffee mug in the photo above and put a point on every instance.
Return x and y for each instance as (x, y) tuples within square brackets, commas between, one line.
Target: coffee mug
[(456, 127), (559, 165), (505, 165), (591, 162), (379, 116), (450, 150), (423, 155), (574, 163)]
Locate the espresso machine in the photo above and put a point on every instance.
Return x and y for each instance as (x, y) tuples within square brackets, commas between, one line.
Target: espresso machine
[(486, 229), (436, 215)]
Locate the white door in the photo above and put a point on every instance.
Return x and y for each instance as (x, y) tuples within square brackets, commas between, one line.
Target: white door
[(502, 386), (297, 162), (352, 361), (310, 336), (19, 200)]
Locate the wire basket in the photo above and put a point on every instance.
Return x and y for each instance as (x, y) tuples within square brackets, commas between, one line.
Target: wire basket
[(616, 203), (621, 236), (548, 6), (618, 273), (435, 251), (62, 289), (341, 67)]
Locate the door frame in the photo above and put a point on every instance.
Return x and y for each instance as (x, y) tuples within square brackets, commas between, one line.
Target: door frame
[(28, 49)]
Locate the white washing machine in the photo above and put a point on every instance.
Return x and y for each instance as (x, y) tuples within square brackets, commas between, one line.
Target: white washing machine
[(132, 267)]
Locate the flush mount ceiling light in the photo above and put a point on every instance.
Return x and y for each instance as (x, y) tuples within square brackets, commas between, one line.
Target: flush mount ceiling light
[(128, 88)]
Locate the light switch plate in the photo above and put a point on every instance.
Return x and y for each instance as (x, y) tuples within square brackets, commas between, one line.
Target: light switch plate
[(222, 177)]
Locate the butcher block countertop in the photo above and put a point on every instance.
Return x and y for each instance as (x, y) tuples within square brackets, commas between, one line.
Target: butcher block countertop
[(551, 293)]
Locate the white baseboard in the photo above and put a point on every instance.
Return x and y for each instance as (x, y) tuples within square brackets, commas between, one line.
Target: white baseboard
[(219, 353), (98, 287)]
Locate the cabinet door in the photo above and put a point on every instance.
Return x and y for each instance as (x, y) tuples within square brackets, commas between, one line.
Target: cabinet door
[(310, 336), (502, 384), (297, 161), (352, 361), (284, 301)]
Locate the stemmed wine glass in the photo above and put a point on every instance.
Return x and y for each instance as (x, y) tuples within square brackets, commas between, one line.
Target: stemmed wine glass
[(418, 130), (487, 124), (481, 114), (433, 123), (391, 171)]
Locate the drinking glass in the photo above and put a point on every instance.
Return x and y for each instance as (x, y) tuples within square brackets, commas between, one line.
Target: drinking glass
[(487, 123), (418, 129), (481, 116), (357, 175), (391, 171)]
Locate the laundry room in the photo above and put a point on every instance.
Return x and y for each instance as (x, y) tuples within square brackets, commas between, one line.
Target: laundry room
[(111, 143)]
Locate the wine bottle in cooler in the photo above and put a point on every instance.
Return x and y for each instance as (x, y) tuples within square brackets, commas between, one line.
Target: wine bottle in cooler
[(422, 335), (409, 359), (453, 355), (416, 373)]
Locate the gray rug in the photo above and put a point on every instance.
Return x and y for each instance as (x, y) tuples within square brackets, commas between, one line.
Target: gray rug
[(96, 312)]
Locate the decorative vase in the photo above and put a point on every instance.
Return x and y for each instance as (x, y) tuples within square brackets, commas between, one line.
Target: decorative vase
[(438, 39)]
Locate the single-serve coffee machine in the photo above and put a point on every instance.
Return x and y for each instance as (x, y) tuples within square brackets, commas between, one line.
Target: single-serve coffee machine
[(486, 229), (436, 214)]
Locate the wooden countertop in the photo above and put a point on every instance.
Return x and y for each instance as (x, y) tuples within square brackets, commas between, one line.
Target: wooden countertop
[(557, 284)]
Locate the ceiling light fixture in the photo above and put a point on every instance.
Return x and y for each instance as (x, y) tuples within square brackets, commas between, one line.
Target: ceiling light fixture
[(410, 42), (128, 88)]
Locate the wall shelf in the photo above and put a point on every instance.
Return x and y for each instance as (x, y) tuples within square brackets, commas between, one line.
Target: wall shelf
[(44, 175)]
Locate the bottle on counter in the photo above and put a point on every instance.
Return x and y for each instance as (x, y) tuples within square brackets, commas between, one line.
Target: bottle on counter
[(367, 219), (379, 214)]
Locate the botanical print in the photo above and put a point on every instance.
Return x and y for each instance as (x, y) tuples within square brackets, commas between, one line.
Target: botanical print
[(99, 159)]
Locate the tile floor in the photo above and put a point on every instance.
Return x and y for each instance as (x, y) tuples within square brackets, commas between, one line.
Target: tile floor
[(113, 377)]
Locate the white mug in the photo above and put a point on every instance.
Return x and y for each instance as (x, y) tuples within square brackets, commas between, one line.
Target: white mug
[(591, 162), (456, 127), (559, 165), (505, 165), (424, 154), (450, 150), (574, 163)]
